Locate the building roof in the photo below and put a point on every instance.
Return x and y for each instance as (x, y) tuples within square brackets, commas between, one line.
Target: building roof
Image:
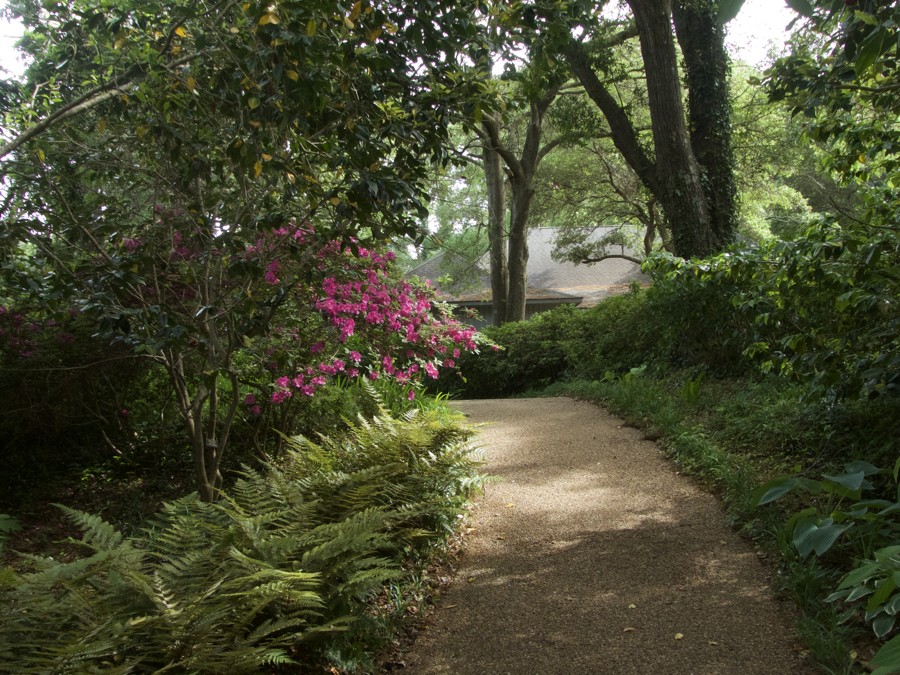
[(548, 280)]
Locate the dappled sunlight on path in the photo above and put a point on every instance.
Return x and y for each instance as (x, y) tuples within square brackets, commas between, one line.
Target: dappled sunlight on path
[(591, 555)]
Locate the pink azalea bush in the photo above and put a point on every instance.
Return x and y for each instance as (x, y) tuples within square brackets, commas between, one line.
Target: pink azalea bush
[(371, 322)]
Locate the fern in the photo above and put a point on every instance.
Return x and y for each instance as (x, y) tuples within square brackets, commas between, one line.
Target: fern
[(288, 558)]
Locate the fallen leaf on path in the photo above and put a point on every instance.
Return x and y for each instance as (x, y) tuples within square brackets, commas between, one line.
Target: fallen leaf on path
[(450, 606), (627, 629), (678, 636), (471, 579), (714, 644), (632, 606), (501, 537), (508, 506)]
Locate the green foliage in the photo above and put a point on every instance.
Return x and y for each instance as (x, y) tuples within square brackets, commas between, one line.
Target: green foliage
[(820, 309), (564, 343), (278, 571)]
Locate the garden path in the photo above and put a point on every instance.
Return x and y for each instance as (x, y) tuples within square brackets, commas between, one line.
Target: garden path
[(593, 555)]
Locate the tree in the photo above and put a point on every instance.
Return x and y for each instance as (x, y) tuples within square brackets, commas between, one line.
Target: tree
[(163, 159), (688, 173)]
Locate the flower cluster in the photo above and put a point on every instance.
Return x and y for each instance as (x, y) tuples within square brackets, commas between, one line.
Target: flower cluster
[(362, 301)]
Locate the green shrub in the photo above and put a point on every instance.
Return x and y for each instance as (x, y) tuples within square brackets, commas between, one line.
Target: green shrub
[(278, 571), (561, 344)]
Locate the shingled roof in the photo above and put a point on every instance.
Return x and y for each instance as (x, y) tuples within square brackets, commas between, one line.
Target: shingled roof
[(548, 280)]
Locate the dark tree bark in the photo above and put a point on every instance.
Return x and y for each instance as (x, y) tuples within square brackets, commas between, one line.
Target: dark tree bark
[(691, 175), (702, 41), (678, 172), (496, 193)]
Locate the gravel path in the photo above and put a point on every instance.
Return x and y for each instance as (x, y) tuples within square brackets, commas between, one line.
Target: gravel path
[(592, 555)]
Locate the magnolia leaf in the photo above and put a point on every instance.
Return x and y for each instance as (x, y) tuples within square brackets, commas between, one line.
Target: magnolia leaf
[(40, 154), (257, 169), (191, 84), (311, 27), (357, 8), (101, 126), (266, 157), (868, 55), (800, 6), (866, 17), (180, 32), (335, 201), (292, 74), (728, 9), (348, 23), (253, 103)]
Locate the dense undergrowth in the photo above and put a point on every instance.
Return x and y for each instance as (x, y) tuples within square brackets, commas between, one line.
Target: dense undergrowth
[(284, 573), (806, 461)]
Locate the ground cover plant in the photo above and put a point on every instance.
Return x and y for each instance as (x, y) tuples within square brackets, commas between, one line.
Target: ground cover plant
[(278, 571)]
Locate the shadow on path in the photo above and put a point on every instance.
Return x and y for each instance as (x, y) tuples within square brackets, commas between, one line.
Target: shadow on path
[(591, 555)]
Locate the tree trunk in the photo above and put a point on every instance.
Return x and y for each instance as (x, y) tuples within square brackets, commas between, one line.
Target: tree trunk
[(682, 197), (496, 197), (702, 40), (518, 250)]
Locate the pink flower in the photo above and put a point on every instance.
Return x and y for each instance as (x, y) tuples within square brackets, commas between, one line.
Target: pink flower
[(355, 356), (255, 410), (249, 399), (373, 375), (411, 395)]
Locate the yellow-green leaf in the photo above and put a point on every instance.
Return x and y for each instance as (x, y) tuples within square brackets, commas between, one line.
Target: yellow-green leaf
[(334, 201), (180, 32), (101, 126), (253, 103), (190, 83), (348, 23), (357, 8), (41, 154), (311, 27), (257, 169), (292, 74), (119, 43), (266, 157), (266, 18)]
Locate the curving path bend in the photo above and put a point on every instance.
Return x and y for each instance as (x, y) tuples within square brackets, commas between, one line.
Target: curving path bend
[(592, 555)]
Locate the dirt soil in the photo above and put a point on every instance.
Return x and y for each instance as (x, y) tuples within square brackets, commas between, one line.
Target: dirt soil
[(591, 554)]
